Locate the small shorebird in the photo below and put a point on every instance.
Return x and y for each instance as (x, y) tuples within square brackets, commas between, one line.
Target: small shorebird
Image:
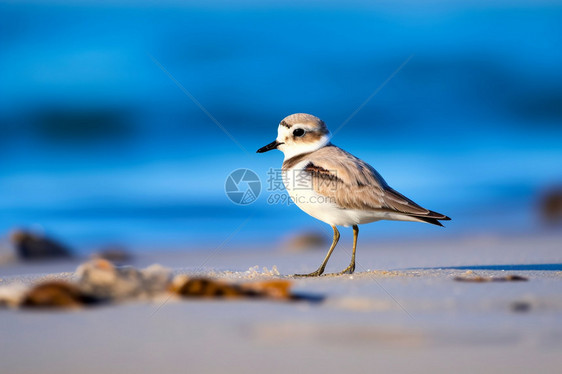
[(336, 187)]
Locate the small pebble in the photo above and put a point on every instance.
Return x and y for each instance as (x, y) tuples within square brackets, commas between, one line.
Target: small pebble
[(101, 278)]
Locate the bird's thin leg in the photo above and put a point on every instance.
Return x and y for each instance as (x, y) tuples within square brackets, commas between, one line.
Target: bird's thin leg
[(351, 268), (320, 270)]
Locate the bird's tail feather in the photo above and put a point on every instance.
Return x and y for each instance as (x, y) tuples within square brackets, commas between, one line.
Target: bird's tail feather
[(432, 218)]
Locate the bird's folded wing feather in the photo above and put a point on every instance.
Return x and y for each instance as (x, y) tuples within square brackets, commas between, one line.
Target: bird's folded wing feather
[(353, 184)]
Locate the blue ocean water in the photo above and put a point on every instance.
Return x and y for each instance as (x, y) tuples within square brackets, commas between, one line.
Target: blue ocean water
[(101, 140)]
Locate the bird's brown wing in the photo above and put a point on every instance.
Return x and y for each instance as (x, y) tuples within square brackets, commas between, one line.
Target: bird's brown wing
[(353, 184)]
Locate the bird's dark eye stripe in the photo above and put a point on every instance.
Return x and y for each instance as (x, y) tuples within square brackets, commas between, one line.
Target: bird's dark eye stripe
[(298, 132)]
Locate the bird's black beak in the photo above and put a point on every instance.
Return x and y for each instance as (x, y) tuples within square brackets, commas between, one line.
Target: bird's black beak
[(269, 147)]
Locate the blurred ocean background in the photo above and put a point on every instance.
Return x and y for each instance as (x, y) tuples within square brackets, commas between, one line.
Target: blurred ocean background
[(98, 144)]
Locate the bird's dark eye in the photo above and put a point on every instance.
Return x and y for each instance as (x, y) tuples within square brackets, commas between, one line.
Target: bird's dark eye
[(298, 132)]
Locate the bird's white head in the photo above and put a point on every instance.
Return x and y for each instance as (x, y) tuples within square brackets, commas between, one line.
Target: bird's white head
[(299, 133)]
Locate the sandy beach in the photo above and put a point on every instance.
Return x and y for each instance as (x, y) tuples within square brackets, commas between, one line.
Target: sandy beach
[(402, 311)]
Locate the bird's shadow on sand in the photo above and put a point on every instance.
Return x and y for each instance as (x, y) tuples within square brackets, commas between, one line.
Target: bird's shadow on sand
[(507, 267)]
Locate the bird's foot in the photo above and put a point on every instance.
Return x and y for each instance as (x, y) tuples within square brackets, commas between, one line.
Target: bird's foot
[(316, 273), (348, 270)]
